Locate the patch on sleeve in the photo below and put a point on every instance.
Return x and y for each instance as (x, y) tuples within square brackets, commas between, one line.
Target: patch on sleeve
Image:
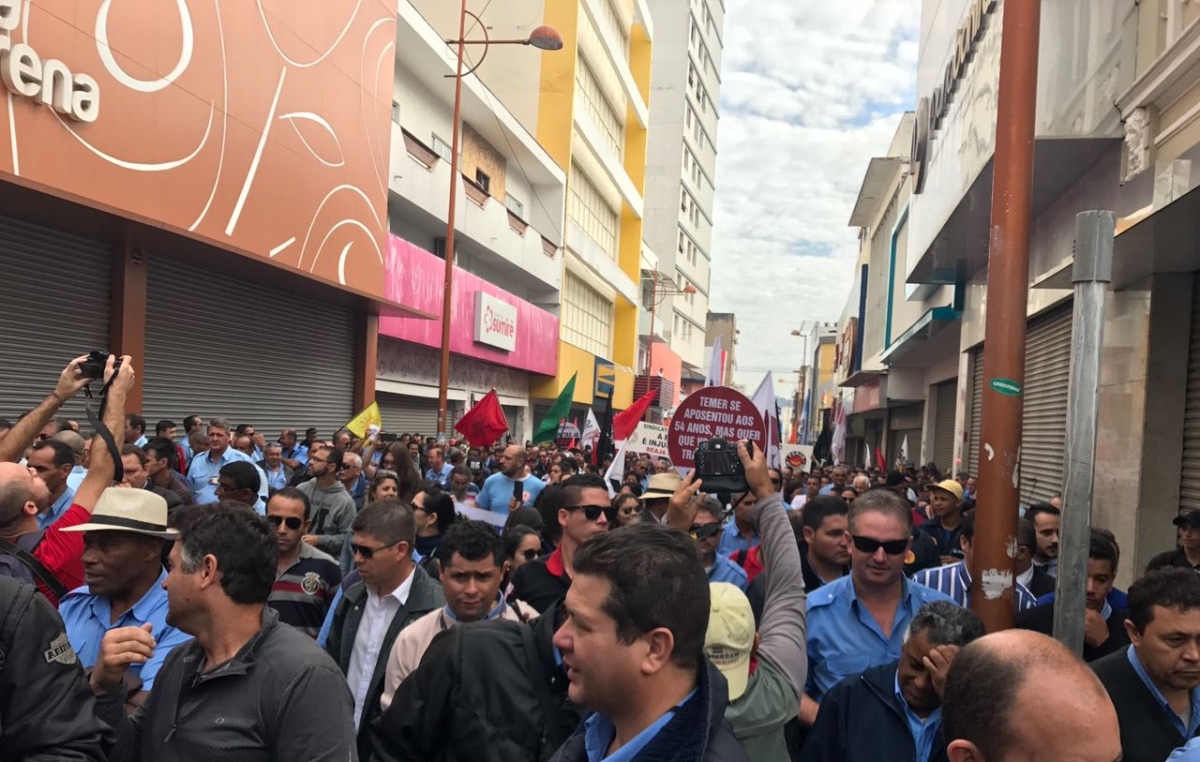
[(60, 651)]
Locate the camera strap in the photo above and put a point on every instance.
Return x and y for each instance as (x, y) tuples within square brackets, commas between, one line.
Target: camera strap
[(102, 430)]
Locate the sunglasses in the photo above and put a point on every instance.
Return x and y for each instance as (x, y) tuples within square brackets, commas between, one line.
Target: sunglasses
[(530, 555), (869, 545), (292, 522), (593, 512), (704, 531), (368, 553)]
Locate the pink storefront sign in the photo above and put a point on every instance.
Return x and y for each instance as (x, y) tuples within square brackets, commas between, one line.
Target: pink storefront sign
[(487, 322)]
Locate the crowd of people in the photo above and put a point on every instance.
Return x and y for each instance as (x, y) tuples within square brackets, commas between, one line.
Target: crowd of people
[(208, 593)]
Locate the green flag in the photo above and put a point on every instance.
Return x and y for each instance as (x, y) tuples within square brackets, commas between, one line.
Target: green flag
[(547, 430)]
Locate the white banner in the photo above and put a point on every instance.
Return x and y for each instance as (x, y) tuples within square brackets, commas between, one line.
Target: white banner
[(799, 457), (649, 439), (478, 514)]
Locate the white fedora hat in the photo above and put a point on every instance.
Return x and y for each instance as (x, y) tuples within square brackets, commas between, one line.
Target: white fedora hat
[(125, 509)]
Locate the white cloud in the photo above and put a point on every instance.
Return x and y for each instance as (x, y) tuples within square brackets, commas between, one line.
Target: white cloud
[(811, 90)]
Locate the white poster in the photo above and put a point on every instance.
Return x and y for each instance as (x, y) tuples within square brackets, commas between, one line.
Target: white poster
[(649, 439), (799, 457)]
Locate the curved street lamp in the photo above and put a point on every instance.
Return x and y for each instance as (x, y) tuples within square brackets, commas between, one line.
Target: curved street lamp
[(660, 289), (543, 38)]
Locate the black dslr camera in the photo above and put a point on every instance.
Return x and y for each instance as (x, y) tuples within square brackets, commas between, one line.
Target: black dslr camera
[(718, 465), (93, 366)]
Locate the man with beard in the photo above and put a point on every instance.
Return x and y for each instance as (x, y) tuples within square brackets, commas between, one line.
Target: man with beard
[(1155, 682), (306, 579), (332, 507), (894, 711), (500, 492), (246, 687), (122, 566), (1047, 522)]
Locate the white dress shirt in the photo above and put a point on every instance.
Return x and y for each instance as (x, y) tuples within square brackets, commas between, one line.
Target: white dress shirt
[(368, 641)]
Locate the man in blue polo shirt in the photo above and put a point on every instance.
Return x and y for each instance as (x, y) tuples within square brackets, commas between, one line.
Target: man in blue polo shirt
[(439, 470), (205, 471), (122, 563), (53, 462), (859, 621), (706, 531)]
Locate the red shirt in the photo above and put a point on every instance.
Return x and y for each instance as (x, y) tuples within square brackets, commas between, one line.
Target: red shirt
[(62, 552)]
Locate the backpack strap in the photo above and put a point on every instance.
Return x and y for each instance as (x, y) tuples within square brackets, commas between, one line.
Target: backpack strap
[(537, 673), (40, 572), (741, 557)]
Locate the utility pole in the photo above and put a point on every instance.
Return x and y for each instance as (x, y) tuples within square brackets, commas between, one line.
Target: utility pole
[(1091, 273), (1007, 302)]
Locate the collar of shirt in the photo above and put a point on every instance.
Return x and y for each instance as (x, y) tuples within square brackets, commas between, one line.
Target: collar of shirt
[(400, 593), (555, 565), (1025, 577), (599, 731), (924, 730), (1176, 721), (141, 611), (57, 509), (1107, 611), (496, 612)]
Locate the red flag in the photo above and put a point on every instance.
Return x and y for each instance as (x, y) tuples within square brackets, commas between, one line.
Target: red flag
[(879, 461), (627, 420), (484, 423)]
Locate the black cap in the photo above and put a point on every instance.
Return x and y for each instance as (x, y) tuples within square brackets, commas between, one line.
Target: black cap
[(895, 479), (1191, 519)]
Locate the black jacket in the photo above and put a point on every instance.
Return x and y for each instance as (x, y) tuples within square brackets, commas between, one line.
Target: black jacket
[(475, 698), (424, 596), (1041, 619), (697, 730), (946, 545), (861, 720), (1146, 733), (538, 584), (1041, 583), (47, 713)]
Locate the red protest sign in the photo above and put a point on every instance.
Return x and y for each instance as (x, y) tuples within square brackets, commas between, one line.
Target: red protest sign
[(715, 412)]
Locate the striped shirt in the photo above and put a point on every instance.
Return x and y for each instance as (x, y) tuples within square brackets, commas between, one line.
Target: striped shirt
[(955, 581), (303, 592)]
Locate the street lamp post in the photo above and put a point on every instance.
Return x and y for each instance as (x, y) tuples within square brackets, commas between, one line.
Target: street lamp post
[(542, 38), (660, 290)]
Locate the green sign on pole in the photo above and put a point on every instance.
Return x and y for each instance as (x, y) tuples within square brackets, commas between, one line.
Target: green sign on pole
[(1005, 386)]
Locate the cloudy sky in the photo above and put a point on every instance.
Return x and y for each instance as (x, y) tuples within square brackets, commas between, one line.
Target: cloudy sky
[(811, 90)]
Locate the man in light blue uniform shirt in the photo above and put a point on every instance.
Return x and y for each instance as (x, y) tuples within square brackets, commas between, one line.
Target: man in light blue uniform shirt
[(205, 470), (439, 470), (122, 555), (53, 460), (837, 482), (706, 531), (295, 456), (739, 533), (859, 621), (135, 429)]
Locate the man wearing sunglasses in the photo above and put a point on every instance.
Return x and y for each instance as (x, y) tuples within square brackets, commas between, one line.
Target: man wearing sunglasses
[(306, 578), (706, 531), (858, 622)]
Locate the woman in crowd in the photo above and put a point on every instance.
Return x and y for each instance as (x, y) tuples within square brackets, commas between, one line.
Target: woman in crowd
[(384, 486), (434, 512), (521, 545), (626, 507), (562, 470)]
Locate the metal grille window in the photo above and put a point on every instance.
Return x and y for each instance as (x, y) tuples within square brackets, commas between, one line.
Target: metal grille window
[(588, 209), (592, 95), (587, 317)]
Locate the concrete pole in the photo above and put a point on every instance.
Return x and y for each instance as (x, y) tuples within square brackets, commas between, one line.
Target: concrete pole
[(1091, 273), (1007, 301)]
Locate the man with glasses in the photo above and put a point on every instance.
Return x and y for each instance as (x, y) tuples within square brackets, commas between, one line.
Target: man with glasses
[(332, 507), (306, 579), (586, 512), (706, 531), (859, 621)]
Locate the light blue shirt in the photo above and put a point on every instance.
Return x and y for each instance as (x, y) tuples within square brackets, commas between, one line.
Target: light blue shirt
[(725, 570), (924, 731), (844, 639), (57, 509), (202, 475), (141, 441), (300, 453), (443, 477), (955, 581), (76, 477), (88, 617), (732, 540), (276, 479), (1187, 753), (1176, 721), (498, 491), (598, 732)]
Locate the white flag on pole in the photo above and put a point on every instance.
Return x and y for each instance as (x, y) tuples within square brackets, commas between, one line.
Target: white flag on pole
[(837, 448), (615, 472), (764, 401), (716, 365), (904, 450), (591, 431), (866, 455)]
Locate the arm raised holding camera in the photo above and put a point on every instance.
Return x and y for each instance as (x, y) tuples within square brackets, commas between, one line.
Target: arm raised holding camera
[(25, 431)]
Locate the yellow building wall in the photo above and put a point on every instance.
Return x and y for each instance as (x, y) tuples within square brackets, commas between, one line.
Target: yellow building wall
[(582, 364), (556, 98)]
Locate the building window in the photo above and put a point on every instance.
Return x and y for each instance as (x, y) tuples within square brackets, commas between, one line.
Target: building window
[(682, 241), (590, 211), (441, 148), (483, 181), (587, 317), (514, 206), (602, 112)]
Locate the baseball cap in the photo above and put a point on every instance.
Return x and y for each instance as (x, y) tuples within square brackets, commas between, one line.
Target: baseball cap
[(730, 636), (951, 486), (1191, 519)]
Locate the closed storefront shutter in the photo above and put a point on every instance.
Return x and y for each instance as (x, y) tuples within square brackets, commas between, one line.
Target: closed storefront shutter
[(1044, 431), (55, 297), (408, 415), (214, 348), (904, 422), (971, 456), (516, 420), (945, 397), (1189, 486)]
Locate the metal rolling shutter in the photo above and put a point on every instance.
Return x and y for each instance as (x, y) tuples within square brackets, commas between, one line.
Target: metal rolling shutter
[(514, 415), (408, 415), (212, 349), (970, 459), (945, 397), (55, 297), (1044, 427), (1189, 483)]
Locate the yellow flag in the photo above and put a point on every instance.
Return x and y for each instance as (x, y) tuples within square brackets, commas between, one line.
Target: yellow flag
[(369, 421)]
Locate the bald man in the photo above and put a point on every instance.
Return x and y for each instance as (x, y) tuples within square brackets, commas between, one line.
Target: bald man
[(1020, 696)]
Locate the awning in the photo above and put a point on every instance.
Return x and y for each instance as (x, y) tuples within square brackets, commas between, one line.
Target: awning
[(918, 340)]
